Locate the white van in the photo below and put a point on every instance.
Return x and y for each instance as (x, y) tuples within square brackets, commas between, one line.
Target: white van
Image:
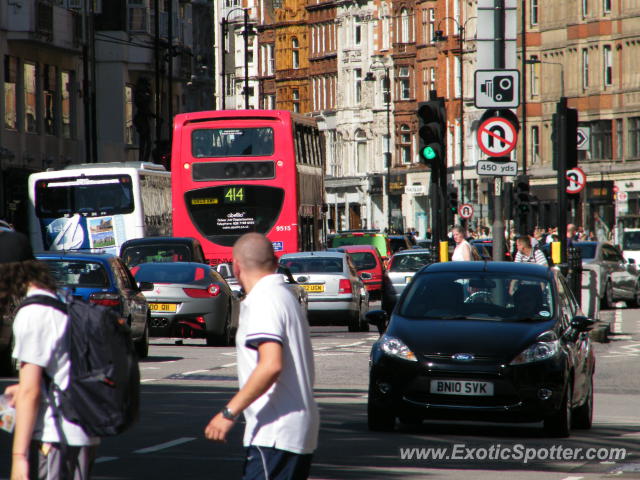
[(631, 244)]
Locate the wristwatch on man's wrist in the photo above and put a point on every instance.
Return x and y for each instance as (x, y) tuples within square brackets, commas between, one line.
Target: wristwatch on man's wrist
[(228, 414)]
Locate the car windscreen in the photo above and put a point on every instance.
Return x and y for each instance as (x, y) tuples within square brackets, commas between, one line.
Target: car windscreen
[(135, 255), (587, 250), (80, 274), (363, 260), (410, 262), (478, 296), (313, 265), (170, 272), (631, 240)]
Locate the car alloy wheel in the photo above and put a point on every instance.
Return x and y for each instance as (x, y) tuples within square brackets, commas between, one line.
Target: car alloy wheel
[(608, 295), (583, 415), (379, 419), (559, 424), (142, 345)]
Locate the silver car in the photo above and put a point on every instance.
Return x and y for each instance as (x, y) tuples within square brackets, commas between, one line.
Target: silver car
[(188, 300), (332, 284), (402, 267)]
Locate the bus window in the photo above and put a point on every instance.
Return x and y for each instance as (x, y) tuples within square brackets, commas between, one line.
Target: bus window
[(232, 142)]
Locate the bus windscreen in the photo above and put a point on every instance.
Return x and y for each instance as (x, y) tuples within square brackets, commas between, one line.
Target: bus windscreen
[(232, 142), (87, 195), (223, 213)]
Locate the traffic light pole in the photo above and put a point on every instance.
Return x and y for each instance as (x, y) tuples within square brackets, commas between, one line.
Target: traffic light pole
[(499, 61), (561, 163)]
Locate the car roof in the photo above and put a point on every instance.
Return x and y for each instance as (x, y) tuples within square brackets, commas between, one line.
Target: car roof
[(168, 240), (493, 267), (84, 256), (324, 253), (357, 248), (172, 264), (412, 251)]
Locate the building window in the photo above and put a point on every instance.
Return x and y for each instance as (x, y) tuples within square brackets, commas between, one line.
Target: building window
[(361, 152), (432, 25), (357, 32), (535, 79), (10, 94), (65, 104), (295, 95), (295, 52), (619, 143), (357, 77), (404, 26), (606, 6), (585, 68), (385, 32), (534, 12), (458, 75), (128, 115), (405, 144), (432, 79), (601, 140), (30, 103), (633, 136), (607, 61), (585, 8), (49, 99), (405, 84), (230, 85), (535, 145)]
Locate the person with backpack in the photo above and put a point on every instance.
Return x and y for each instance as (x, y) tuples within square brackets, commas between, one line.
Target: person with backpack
[(45, 445), (526, 253)]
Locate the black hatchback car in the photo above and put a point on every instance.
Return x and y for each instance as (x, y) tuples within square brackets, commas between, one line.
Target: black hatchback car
[(489, 341), (161, 249)]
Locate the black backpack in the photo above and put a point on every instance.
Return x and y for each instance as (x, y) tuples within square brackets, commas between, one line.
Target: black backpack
[(103, 395)]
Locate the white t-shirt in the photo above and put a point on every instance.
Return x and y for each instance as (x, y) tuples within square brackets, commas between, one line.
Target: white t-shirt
[(39, 339), (459, 252), (286, 416)]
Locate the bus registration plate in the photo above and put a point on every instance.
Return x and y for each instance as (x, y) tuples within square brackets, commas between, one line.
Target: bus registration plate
[(163, 307), (313, 288)]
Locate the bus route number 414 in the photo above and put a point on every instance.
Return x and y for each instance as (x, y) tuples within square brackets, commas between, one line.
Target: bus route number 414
[(488, 167)]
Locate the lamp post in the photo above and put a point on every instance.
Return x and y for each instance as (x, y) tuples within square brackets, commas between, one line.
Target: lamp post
[(245, 35), (440, 37), (370, 77)]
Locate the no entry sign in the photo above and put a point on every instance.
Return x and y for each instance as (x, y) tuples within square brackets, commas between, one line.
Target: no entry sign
[(497, 136)]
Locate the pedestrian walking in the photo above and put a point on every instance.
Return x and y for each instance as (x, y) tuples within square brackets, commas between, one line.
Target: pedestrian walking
[(45, 444), (275, 371), (463, 251), (528, 253)]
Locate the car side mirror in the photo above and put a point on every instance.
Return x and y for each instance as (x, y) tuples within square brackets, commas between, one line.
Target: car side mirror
[(366, 276), (377, 318), (582, 323), (145, 286)]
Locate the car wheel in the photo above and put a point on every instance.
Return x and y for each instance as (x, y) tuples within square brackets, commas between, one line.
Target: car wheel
[(379, 419), (635, 302), (364, 325), (142, 345), (559, 424), (353, 323), (225, 339), (583, 415), (607, 298)]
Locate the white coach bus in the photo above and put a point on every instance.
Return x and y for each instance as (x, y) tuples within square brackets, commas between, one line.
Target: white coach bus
[(98, 206)]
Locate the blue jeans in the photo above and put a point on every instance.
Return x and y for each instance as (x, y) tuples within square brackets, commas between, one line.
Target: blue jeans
[(266, 463)]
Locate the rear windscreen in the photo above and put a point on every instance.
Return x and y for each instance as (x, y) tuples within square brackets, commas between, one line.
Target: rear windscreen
[(78, 273), (169, 273), (135, 255), (363, 260), (232, 142), (409, 262), (313, 265)]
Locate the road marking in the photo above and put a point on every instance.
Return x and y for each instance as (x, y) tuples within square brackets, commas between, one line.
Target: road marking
[(617, 322), (228, 365), (573, 478), (195, 371), (150, 368), (147, 380), (162, 446), (105, 459), (631, 350)]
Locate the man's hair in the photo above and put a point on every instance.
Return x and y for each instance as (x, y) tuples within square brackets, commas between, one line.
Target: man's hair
[(255, 252), (15, 278), (525, 240)]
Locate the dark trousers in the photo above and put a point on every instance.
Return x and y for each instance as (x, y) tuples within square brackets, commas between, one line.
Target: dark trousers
[(265, 463)]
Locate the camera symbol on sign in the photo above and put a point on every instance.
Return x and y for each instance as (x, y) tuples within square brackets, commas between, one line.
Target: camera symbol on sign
[(499, 88)]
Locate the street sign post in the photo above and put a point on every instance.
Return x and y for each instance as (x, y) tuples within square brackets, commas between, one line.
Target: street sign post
[(489, 167), (497, 89), (584, 138), (576, 180), (465, 210), (497, 136)]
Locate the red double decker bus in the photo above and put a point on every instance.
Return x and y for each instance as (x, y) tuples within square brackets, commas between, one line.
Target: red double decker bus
[(239, 171)]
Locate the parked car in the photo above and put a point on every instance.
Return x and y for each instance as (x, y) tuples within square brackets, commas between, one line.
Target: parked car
[(617, 278), (461, 346), (332, 284), (161, 249), (401, 242), (402, 267), (367, 259), (485, 249), (105, 280), (631, 244), (189, 300), (362, 237)]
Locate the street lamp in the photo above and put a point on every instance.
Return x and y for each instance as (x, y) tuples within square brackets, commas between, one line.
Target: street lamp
[(534, 60), (440, 37), (386, 90), (245, 35)]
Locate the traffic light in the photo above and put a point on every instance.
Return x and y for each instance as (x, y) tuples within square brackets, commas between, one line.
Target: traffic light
[(522, 197), (452, 196), (564, 136), (432, 131)]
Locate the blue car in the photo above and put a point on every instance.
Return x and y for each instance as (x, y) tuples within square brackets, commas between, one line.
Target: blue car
[(105, 280)]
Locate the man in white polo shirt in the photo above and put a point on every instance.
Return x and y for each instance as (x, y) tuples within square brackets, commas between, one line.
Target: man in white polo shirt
[(275, 371)]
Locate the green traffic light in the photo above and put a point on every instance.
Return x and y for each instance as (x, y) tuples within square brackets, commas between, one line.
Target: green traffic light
[(428, 153)]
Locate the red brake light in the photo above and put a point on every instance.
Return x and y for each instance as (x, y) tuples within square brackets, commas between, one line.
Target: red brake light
[(212, 290), (106, 299), (345, 286)]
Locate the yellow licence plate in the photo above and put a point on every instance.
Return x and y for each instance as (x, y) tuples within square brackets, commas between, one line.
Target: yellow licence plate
[(163, 307), (313, 288)]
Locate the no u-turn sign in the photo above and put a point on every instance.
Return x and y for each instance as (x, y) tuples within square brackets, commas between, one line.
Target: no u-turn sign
[(497, 136)]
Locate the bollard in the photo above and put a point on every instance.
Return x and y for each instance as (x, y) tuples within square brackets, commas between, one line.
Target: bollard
[(444, 251)]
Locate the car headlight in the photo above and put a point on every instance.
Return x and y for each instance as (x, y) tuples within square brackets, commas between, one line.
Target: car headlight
[(396, 348), (545, 348)]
